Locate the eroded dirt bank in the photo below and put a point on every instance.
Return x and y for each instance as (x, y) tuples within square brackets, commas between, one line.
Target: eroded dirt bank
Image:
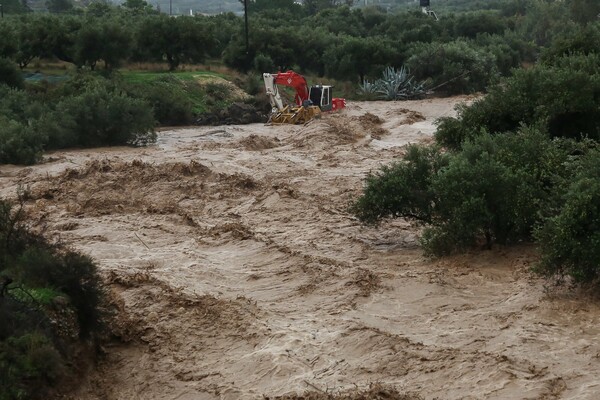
[(239, 272)]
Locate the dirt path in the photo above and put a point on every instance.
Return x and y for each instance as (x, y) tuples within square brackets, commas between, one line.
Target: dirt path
[(239, 272)]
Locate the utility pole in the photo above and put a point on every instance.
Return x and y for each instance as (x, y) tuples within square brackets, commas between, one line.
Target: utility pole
[(170, 7), (1, 11), (246, 24)]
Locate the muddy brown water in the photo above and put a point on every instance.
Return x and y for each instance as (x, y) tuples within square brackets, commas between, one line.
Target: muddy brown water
[(238, 272)]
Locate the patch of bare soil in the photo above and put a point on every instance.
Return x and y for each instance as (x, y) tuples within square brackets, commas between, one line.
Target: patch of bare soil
[(238, 273)]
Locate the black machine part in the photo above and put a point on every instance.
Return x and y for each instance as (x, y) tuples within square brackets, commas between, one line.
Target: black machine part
[(321, 96)]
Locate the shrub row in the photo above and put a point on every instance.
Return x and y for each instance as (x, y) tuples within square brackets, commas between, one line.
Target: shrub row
[(505, 188), (561, 98), (332, 42), (83, 112)]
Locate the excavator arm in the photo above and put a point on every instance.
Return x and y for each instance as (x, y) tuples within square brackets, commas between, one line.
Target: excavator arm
[(288, 78), (273, 91)]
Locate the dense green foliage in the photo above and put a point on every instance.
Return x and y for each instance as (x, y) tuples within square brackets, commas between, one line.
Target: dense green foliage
[(493, 191), (570, 240), (82, 112), (319, 38), (458, 66), (402, 189), (518, 165), (175, 40), (461, 52), (563, 98), (51, 299), (9, 74), (171, 104)]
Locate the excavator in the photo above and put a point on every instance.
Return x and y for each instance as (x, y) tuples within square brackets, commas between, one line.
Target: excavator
[(309, 102)]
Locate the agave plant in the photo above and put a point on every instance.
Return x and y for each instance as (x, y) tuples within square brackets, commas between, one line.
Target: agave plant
[(399, 85), (367, 88)]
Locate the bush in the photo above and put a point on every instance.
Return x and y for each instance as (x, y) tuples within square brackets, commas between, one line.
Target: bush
[(570, 241), (475, 23), (28, 364), (583, 40), (96, 111), (493, 190), (87, 110), (402, 189), (35, 351), (490, 192), (19, 144), (101, 117), (456, 67), (509, 50), (9, 75), (253, 84), (72, 274), (171, 105), (263, 63), (562, 100), (15, 104)]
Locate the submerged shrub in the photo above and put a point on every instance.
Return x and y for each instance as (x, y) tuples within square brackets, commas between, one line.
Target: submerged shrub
[(402, 189), (490, 192), (19, 144), (85, 111), (100, 117)]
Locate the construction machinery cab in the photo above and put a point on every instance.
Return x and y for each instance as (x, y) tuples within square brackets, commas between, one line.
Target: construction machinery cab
[(321, 96)]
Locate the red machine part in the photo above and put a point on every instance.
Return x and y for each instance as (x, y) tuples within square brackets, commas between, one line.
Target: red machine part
[(297, 81), (337, 103)]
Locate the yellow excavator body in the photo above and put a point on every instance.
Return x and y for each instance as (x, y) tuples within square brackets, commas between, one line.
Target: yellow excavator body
[(294, 115)]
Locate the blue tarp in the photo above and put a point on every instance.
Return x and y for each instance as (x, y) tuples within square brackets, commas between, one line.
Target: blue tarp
[(39, 77)]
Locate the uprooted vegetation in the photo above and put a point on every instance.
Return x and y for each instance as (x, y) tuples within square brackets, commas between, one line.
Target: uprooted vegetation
[(51, 310)]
